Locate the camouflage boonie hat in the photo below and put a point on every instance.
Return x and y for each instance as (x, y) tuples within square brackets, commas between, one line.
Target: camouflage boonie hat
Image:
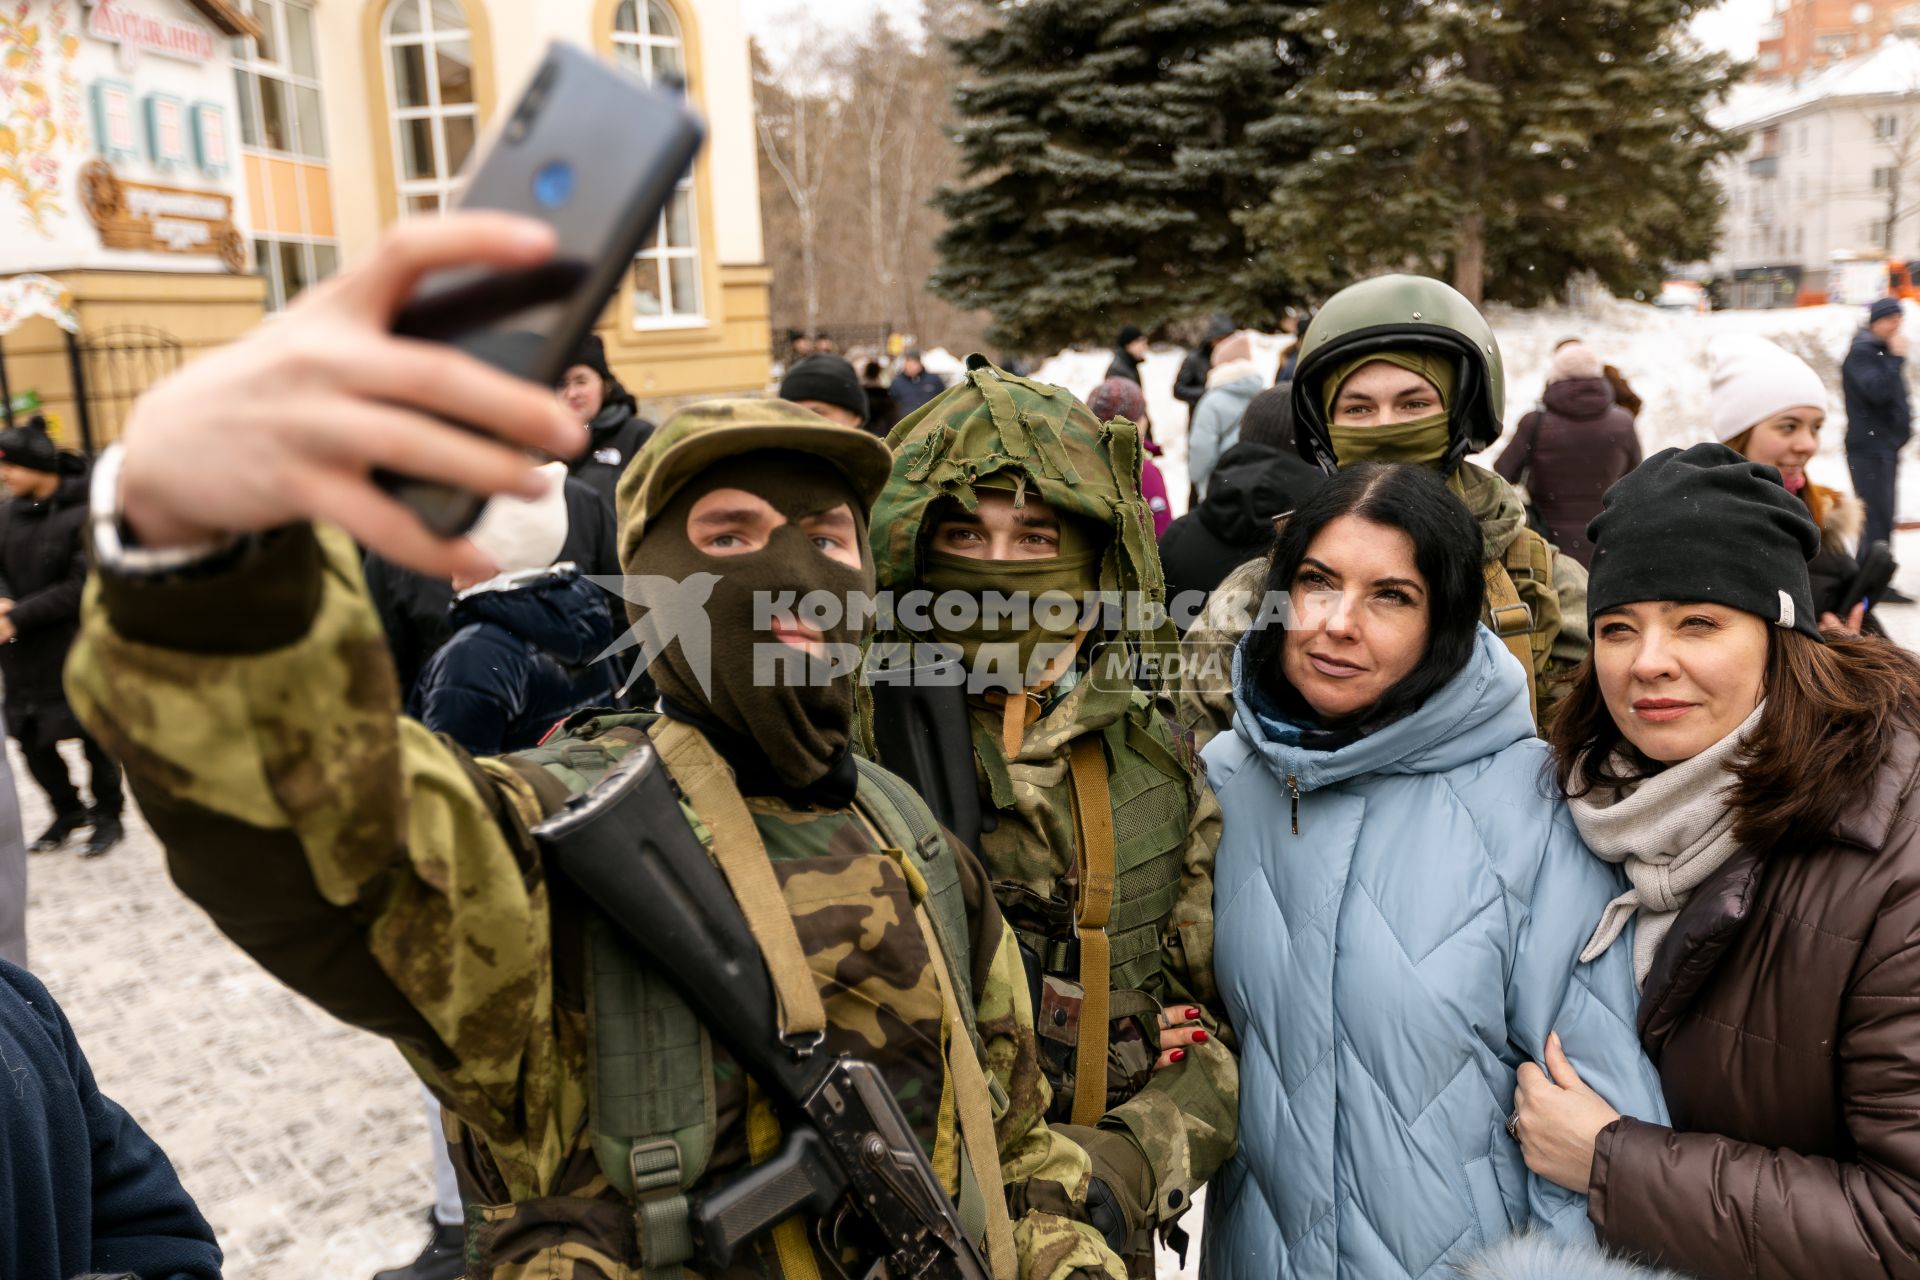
[(994, 422), (700, 435)]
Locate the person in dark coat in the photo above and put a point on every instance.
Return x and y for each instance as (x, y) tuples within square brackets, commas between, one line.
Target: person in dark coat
[(615, 430), (1879, 418), (83, 1189), (1129, 349), (415, 610), (1623, 392), (882, 410), (1260, 477), (914, 385), (1756, 780), (1571, 449), (1191, 382), (43, 570)]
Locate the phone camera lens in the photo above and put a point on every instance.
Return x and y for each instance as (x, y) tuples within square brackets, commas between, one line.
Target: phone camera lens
[(553, 185)]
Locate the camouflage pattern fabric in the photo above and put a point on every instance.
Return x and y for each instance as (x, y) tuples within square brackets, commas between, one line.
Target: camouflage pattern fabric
[(390, 878), (1203, 699), (1183, 1119)]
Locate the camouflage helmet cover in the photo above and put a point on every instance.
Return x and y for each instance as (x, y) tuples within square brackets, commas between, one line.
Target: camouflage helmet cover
[(993, 422)]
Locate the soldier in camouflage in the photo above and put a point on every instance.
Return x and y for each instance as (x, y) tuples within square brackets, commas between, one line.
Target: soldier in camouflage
[(1007, 485), (230, 656)]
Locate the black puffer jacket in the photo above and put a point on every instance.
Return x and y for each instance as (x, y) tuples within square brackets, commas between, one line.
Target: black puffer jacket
[(520, 661), (1252, 484), (43, 568), (613, 437)]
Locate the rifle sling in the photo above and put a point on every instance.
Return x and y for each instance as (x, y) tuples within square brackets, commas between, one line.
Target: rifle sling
[(1093, 903)]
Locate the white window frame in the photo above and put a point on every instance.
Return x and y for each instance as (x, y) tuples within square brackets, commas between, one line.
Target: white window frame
[(445, 180), (661, 255), (246, 57), (277, 298)]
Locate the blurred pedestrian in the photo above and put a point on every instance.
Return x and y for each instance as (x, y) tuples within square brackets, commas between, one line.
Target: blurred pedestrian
[(1118, 398), (1129, 349), (83, 1189), (827, 385), (1879, 420), (882, 411), (1232, 384), (1569, 450), (43, 569), (615, 431), (915, 384), (1191, 382), (1623, 392)]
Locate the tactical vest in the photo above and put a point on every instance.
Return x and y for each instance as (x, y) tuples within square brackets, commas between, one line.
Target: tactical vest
[(1523, 609), (651, 1073), (1148, 772)]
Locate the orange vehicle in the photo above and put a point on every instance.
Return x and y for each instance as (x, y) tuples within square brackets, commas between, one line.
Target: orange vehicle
[(1858, 279)]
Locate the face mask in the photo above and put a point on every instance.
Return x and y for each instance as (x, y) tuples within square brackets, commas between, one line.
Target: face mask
[(1424, 441), (801, 719), (1054, 589)]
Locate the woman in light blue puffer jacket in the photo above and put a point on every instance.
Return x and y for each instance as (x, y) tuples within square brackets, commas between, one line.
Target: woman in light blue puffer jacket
[(1399, 900)]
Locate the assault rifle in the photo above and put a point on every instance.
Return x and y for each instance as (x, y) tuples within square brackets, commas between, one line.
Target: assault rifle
[(851, 1154)]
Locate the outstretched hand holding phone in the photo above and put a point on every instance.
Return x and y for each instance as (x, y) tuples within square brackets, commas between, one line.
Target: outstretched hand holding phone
[(290, 422)]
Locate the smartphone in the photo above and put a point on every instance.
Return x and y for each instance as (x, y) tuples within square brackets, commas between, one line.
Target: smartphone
[(593, 151)]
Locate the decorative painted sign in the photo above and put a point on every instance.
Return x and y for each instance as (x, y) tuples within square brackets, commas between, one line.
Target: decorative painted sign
[(137, 32), (155, 219), (26, 296)]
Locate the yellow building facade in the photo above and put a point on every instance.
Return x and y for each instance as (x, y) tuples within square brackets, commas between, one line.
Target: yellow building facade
[(172, 170)]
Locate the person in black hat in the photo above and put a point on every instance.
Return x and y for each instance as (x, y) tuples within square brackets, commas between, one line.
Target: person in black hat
[(828, 386), (43, 569), (1129, 349), (1753, 778), (615, 431), (1879, 420)]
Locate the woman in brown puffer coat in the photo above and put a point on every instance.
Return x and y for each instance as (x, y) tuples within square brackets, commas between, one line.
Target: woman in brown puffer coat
[(1756, 780)]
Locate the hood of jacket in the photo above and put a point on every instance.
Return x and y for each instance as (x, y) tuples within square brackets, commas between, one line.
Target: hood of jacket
[(555, 610), (1581, 399), (1494, 505), (1251, 484), (1482, 710), (1241, 378)]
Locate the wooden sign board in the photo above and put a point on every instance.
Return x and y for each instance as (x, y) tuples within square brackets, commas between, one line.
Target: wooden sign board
[(155, 219)]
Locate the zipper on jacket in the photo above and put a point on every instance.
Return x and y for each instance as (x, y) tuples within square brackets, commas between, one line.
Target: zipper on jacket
[(1293, 789)]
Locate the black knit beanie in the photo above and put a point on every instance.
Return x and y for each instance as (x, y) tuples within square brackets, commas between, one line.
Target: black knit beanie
[(593, 354), (1704, 524), (828, 379), (1129, 335), (29, 446)]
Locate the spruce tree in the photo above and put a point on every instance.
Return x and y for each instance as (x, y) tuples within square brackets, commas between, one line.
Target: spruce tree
[(1112, 149), (1502, 144)]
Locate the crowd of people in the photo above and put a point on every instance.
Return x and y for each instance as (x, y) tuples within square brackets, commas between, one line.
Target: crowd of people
[(1513, 876)]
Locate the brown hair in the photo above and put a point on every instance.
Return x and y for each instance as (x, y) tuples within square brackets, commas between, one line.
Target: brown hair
[(1833, 711)]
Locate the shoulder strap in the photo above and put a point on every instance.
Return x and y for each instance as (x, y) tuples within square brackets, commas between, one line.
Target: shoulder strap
[(1093, 903), (1511, 620), (907, 822)]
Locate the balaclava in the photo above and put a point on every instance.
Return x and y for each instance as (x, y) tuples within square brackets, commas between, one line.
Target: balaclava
[(994, 644), (804, 729), (1424, 441)]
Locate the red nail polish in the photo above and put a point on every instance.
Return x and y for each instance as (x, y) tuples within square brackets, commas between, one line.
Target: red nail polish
[(1178, 1055), (1193, 1013), (1200, 1037)]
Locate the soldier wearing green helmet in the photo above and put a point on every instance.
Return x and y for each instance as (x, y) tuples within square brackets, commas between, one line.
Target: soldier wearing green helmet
[(1100, 827), (1382, 340)]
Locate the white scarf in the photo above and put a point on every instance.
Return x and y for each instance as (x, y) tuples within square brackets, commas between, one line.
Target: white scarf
[(1670, 831)]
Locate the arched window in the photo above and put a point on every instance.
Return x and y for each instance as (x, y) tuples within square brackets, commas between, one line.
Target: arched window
[(428, 52), (666, 273)]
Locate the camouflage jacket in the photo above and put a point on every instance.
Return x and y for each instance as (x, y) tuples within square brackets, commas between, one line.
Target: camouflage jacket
[(389, 877), (1183, 1117)]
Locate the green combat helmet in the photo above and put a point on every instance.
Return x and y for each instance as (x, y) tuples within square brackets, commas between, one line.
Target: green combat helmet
[(1396, 312), (992, 421)]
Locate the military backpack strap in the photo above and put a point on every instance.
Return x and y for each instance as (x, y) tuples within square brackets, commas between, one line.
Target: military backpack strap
[(1093, 902), (1511, 620), (907, 823), (707, 783)]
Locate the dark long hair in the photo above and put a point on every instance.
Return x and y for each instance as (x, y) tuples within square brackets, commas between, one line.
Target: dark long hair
[(1446, 550), (1833, 713)]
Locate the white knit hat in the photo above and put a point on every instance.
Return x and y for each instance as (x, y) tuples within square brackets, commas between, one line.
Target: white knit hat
[(525, 533), (1575, 360), (1754, 379)]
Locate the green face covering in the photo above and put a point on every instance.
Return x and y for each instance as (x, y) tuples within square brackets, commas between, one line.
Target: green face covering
[(801, 717), (1423, 441), (1054, 590)]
